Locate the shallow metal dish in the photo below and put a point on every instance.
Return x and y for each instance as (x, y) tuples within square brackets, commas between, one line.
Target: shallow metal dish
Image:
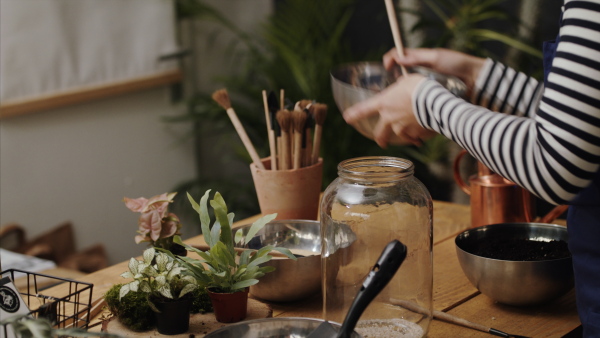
[(355, 82), (272, 327), (291, 280), (516, 282)]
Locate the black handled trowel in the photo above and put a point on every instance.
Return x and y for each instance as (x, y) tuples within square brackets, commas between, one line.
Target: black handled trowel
[(388, 263)]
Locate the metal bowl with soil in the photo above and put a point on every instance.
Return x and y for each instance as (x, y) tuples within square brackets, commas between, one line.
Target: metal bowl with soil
[(517, 263)]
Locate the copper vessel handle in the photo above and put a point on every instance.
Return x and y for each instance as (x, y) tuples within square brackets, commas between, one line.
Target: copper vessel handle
[(461, 183), (554, 213)]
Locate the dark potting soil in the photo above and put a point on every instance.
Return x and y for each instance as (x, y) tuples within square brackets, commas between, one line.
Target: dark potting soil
[(519, 249)]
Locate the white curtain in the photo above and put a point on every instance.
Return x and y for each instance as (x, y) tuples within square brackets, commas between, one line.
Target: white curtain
[(49, 47)]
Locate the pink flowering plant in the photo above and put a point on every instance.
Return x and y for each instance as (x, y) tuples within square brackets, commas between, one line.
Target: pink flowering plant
[(155, 225)]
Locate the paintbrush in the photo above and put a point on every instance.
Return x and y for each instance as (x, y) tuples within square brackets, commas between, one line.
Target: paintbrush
[(270, 131), (308, 127), (298, 121), (319, 114), (222, 98), (391, 11), (284, 118)]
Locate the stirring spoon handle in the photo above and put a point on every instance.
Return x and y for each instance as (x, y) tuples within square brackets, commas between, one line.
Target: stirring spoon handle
[(388, 263)]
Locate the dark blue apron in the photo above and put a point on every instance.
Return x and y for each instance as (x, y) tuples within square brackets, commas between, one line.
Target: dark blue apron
[(583, 224)]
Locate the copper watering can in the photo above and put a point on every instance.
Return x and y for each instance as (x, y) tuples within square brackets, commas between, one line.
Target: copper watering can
[(494, 199)]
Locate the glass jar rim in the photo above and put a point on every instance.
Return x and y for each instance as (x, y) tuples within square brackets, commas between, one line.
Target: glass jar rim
[(391, 168)]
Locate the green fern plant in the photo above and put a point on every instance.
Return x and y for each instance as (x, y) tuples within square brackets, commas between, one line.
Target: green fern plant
[(222, 268)]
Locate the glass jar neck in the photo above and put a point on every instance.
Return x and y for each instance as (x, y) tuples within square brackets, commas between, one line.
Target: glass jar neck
[(376, 169)]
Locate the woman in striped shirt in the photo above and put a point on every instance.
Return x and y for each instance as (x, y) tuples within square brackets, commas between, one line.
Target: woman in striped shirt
[(544, 136)]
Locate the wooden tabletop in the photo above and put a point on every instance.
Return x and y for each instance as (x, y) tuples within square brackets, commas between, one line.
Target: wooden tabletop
[(452, 291)]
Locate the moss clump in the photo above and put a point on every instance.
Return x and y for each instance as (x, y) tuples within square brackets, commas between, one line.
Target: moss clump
[(201, 301), (132, 311)]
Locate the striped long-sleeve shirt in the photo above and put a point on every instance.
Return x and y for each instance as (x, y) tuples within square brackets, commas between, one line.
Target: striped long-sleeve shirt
[(546, 138)]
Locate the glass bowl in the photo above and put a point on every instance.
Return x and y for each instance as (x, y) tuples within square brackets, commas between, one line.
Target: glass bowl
[(355, 82)]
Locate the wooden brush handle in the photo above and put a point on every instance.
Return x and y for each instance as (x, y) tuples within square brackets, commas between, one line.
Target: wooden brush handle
[(285, 153), (391, 11), (245, 139), (297, 150), (270, 132), (316, 143), (440, 315)]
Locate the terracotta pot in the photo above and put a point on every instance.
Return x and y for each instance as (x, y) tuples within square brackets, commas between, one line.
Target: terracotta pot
[(174, 316), (229, 307), (292, 194)]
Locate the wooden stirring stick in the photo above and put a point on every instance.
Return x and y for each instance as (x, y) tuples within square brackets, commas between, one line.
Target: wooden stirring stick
[(271, 132), (391, 11), (299, 120), (284, 118), (446, 317), (222, 98), (319, 114)]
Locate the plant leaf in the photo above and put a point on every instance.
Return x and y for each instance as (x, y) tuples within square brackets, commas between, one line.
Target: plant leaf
[(259, 260), (123, 291), (215, 233), (244, 257), (256, 226), (153, 307), (186, 289), (127, 274), (238, 236), (145, 287), (148, 255), (244, 284), (133, 265), (133, 286), (220, 209), (165, 290), (202, 210), (286, 252), (161, 262)]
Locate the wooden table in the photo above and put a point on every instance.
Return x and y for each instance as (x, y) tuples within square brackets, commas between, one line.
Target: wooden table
[(452, 291)]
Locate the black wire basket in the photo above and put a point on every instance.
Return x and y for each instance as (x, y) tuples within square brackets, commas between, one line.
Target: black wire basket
[(64, 302)]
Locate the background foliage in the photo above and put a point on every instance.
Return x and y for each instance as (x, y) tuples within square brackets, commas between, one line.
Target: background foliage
[(297, 47)]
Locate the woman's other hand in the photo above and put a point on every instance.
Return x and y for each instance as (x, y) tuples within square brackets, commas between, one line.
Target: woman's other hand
[(396, 117)]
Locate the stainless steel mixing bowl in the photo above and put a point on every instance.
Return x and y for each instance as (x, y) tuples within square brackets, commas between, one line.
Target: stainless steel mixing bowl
[(516, 282), (272, 327), (292, 279), (355, 82)]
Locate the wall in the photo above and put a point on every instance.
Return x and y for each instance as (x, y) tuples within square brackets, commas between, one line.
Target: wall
[(77, 163)]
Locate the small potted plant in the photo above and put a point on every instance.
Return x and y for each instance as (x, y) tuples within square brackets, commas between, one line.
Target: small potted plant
[(156, 225), (167, 287), (227, 272)]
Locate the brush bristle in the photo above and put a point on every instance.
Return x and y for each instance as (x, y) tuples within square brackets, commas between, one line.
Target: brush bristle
[(284, 118), (299, 120), (222, 98), (302, 104), (319, 113)]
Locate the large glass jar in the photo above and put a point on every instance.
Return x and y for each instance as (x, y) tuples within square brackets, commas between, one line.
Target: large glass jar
[(373, 201)]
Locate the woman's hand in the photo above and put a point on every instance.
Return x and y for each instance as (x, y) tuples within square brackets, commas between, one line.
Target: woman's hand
[(445, 61), (396, 117)]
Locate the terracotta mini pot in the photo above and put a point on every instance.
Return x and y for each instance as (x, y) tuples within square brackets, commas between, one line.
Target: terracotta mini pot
[(229, 307), (174, 316), (292, 194)]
